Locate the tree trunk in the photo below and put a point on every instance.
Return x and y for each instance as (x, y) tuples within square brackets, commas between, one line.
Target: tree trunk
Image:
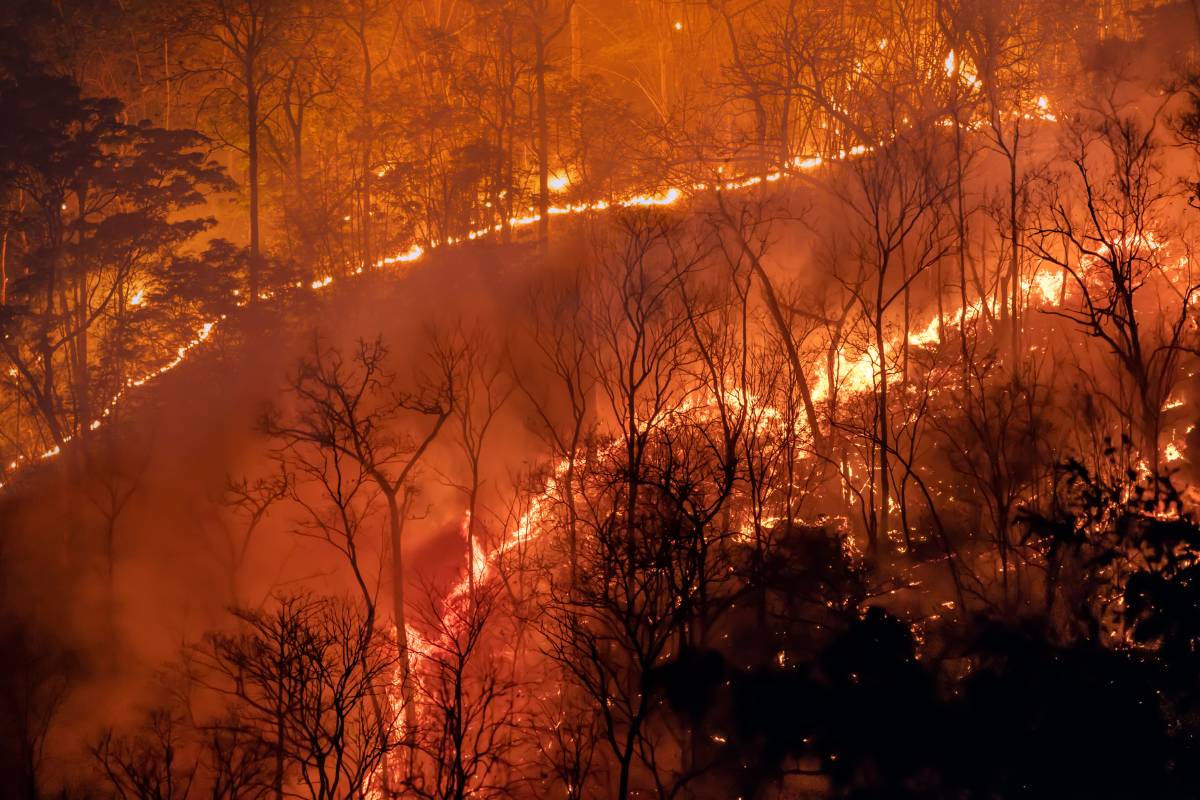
[(4, 268), (785, 332), (252, 154), (1014, 234), (576, 44), (396, 532), (543, 124), (166, 83), (882, 421), (367, 136)]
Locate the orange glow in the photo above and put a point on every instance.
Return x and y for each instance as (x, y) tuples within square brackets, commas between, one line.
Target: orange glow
[(856, 373)]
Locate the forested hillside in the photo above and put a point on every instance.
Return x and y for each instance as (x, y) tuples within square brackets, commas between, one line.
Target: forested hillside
[(646, 398)]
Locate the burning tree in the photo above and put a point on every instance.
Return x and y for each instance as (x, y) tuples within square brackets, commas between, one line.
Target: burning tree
[(858, 340), (1129, 284)]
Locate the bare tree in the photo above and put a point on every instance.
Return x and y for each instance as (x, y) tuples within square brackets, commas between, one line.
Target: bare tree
[(118, 473), (640, 329), (560, 387), (651, 501), (999, 65), (568, 735), (895, 199), (623, 617), (744, 232), (37, 674), (303, 675), (546, 24), (352, 410), (236, 760), (1129, 284), (483, 389), (251, 502), (373, 36), (465, 699), (247, 37), (153, 764)]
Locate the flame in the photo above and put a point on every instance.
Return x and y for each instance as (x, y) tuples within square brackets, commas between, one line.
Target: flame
[(1047, 283), (558, 182), (667, 198), (856, 372), (957, 67)]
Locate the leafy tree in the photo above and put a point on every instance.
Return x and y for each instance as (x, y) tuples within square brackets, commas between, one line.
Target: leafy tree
[(103, 202)]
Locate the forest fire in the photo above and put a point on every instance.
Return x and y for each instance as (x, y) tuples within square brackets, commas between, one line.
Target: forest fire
[(631, 399)]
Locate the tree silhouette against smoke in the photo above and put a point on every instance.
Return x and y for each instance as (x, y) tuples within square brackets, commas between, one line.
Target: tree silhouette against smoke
[(352, 411)]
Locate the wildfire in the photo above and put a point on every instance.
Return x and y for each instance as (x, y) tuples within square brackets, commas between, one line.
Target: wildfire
[(855, 372), (956, 67)]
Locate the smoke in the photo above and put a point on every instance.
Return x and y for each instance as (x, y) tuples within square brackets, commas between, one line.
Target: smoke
[(150, 500)]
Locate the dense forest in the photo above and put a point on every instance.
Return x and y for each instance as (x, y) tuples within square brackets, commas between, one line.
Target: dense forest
[(599, 398)]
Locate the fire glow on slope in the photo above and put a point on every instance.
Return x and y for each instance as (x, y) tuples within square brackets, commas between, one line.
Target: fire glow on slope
[(860, 375), (857, 375), (956, 69), (414, 252)]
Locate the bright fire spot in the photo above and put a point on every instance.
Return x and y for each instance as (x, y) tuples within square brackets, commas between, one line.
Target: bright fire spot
[(956, 66), (931, 335), (1048, 284), (411, 254), (558, 182), (665, 199), (1171, 452), (678, 26), (856, 372)]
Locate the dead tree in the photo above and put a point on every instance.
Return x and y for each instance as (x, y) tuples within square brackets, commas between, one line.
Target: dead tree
[(1129, 282), (37, 674), (744, 232), (236, 760), (354, 407), (240, 44), (1001, 53), (250, 500), (641, 351), (560, 387), (652, 500), (612, 628), (152, 764), (483, 389), (895, 199), (464, 699), (303, 675)]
